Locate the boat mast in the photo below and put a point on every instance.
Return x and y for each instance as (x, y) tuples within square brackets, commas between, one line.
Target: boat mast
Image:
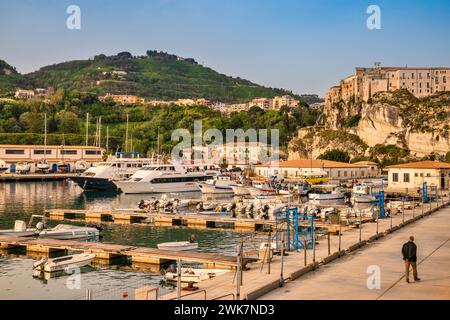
[(87, 129), (107, 139), (100, 131), (45, 136), (126, 136)]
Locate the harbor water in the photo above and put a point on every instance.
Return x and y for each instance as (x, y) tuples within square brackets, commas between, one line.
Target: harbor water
[(20, 200)]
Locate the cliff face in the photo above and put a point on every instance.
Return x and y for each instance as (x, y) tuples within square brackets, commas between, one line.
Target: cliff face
[(418, 127)]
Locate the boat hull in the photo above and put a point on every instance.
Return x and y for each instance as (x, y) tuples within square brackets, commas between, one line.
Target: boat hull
[(178, 246), (94, 184), (134, 187), (76, 261), (207, 188)]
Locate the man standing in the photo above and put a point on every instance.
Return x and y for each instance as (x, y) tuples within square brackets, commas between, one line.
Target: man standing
[(409, 256)]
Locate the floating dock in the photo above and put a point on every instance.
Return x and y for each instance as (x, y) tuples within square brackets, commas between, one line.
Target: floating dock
[(12, 177), (111, 252)]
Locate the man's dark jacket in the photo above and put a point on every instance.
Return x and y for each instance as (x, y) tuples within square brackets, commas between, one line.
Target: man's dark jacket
[(409, 251)]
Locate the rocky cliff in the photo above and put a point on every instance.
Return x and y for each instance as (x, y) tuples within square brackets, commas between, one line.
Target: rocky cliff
[(393, 124)]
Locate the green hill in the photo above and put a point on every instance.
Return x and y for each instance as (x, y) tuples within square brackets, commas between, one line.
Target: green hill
[(9, 77), (156, 75)]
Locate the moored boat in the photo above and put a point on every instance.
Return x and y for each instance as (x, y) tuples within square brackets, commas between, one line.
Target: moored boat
[(178, 246), (64, 263), (66, 232), (194, 275)]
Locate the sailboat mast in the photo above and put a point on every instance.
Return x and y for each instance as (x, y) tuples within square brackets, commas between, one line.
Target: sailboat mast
[(87, 129), (100, 132), (45, 135), (107, 138), (126, 136)]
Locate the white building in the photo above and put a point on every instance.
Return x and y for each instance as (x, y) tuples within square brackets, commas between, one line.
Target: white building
[(297, 168), (32, 154)]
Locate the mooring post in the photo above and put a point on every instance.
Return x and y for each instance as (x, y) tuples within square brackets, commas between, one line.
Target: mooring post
[(282, 264), (88, 294), (329, 244), (179, 279), (403, 209), (269, 250), (304, 250)]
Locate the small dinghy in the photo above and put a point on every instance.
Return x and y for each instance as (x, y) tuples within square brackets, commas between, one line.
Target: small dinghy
[(67, 232), (178, 246), (21, 230), (189, 275), (63, 263)]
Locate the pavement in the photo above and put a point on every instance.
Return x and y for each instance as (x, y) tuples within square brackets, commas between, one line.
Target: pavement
[(376, 271)]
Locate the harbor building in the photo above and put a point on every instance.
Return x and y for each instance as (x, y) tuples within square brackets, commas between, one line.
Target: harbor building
[(408, 177), (297, 168), (73, 156), (365, 82)]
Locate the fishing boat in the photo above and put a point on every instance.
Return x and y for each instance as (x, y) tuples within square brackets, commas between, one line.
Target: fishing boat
[(240, 190), (326, 195), (119, 167), (21, 230), (163, 178), (363, 193), (67, 232), (64, 263), (178, 246), (218, 185), (189, 275)]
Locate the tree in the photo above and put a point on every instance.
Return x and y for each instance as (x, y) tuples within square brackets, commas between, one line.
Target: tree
[(32, 122), (67, 122), (335, 155)]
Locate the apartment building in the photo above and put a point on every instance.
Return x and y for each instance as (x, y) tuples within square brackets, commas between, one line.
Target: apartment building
[(122, 98), (365, 82)]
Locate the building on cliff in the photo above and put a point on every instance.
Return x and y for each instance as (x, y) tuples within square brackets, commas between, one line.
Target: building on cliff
[(408, 177), (365, 82)]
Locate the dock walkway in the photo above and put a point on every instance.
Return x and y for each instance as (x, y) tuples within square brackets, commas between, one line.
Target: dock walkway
[(12, 177), (110, 252)]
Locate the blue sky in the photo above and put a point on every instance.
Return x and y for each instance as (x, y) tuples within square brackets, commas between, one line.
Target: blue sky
[(301, 45)]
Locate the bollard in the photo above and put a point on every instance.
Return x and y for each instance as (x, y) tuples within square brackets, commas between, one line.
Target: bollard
[(329, 244), (179, 279), (282, 264)]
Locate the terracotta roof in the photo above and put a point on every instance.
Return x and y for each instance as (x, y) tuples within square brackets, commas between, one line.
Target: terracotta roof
[(306, 163), (366, 163), (423, 165)]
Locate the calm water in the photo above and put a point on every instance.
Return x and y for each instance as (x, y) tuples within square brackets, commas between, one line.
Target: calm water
[(21, 200)]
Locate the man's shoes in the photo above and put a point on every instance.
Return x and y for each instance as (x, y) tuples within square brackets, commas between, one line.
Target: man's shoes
[(407, 281), (418, 279)]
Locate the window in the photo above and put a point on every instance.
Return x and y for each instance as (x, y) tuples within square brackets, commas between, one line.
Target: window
[(69, 152), (339, 173), (92, 152), (395, 177), (444, 79), (428, 174), (42, 151), (14, 151), (345, 173), (406, 177), (416, 175)]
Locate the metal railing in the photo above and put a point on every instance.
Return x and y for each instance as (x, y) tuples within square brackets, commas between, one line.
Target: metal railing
[(190, 294), (225, 295)]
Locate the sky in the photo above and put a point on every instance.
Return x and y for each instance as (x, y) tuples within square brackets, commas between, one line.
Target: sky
[(305, 46)]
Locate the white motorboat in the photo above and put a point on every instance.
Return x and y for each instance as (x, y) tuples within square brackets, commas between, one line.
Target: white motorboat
[(64, 263), (326, 195), (43, 165), (193, 275), (21, 230), (240, 190), (164, 178), (363, 193), (81, 166), (23, 167), (178, 246), (67, 232)]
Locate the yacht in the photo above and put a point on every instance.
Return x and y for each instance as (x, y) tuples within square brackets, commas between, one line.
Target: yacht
[(163, 178), (220, 184), (99, 178)]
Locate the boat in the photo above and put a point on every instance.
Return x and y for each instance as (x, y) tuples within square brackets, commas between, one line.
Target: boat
[(363, 193), (3, 166), (194, 275), (240, 190), (81, 166), (178, 246), (64, 263), (326, 195), (218, 185), (21, 229), (67, 232), (23, 167), (100, 177), (163, 178), (43, 166)]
